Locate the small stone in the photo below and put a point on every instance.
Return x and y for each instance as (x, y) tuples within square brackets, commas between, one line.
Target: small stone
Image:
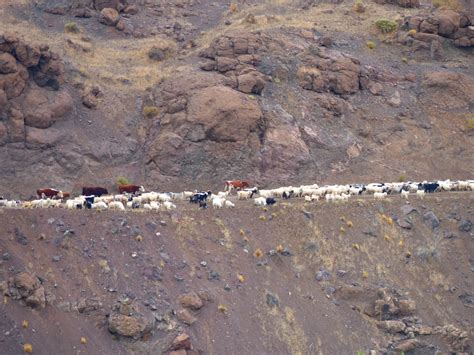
[(56, 258), (50, 220), (182, 341), (162, 223), (227, 287), (6, 256), (341, 273), (203, 263), (186, 317), (323, 274), (272, 300), (190, 300), (465, 226)]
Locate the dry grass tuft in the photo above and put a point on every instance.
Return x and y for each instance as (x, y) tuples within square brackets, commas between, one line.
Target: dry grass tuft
[(150, 111), (71, 27), (450, 4), (371, 44), (359, 7), (258, 253)]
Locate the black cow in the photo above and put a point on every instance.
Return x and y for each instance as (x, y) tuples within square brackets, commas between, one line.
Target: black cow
[(199, 197), (96, 191), (428, 187), (270, 201)]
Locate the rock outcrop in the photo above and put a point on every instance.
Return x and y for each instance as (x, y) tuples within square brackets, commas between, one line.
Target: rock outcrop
[(30, 88)]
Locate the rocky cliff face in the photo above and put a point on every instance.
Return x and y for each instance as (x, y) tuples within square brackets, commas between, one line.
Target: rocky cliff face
[(263, 97)]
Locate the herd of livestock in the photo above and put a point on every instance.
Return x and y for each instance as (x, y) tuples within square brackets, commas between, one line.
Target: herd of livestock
[(135, 197)]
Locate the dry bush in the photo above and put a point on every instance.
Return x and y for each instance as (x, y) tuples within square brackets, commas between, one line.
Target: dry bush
[(359, 7), (371, 44), (150, 111), (71, 27), (233, 8)]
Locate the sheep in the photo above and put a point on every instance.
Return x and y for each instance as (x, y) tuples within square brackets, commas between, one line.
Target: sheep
[(154, 205), (75, 204), (163, 197), (380, 195), (229, 204), (265, 193), (260, 201), (121, 198), (187, 194), (420, 194), (405, 194), (169, 205), (101, 205), (116, 205), (223, 194), (308, 198), (244, 195), (147, 206), (218, 202)]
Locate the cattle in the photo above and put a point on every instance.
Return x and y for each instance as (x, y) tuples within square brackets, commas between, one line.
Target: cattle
[(236, 184), (49, 193), (96, 191), (270, 201), (131, 189), (428, 187)]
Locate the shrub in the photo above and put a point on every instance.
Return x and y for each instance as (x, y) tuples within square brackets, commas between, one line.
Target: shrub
[(386, 26), (359, 7), (122, 181), (71, 27), (150, 111), (233, 8), (412, 32), (469, 124), (371, 44), (405, 60), (402, 178)]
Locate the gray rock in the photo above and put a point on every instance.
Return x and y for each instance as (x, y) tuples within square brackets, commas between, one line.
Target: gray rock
[(6, 256), (431, 219), (467, 299), (407, 209), (323, 274), (272, 300), (404, 223), (465, 226), (56, 258)]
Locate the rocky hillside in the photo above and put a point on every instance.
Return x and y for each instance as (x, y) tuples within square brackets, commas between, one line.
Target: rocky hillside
[(174, 93), (363, 276)]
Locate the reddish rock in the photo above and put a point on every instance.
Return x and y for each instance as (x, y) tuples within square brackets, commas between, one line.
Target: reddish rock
[(27, 55), (225, 64), (408, 345), (16, 126), (407, 307), (7, 63), (121, 25), (130, 320), (251, 83), (131, 10), (428, 37), (225, 114), (449, 22), (30, 289), (186, 317), (190, 300), (14, 84), (40, 138), (109, 16), (182, 341), (43, 108)]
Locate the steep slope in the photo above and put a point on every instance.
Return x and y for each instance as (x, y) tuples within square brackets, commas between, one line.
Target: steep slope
[(293, 278)]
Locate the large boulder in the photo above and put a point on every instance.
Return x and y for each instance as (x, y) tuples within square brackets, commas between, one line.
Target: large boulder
[(330, 71), (109, 16), (27, 55), (42, 108), (14, 84), (449, 22), (7, 63), (130, 320), (252, 82), (222, 114), (27, 287)]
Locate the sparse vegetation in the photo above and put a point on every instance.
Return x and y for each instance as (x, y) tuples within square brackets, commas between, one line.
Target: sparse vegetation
[(258, 253), (150, 111), (279, 248), (386, 26), (450, 4), (233, 8), (371, 44), (121, 180), (469, 124), (71, 27), (412, 32), (83, 340), (402, 178), (349, 224), (28, 348), (359, 7)]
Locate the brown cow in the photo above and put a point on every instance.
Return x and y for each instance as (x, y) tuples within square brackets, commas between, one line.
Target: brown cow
[(49, 193), (131, 189), (236, 184)]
